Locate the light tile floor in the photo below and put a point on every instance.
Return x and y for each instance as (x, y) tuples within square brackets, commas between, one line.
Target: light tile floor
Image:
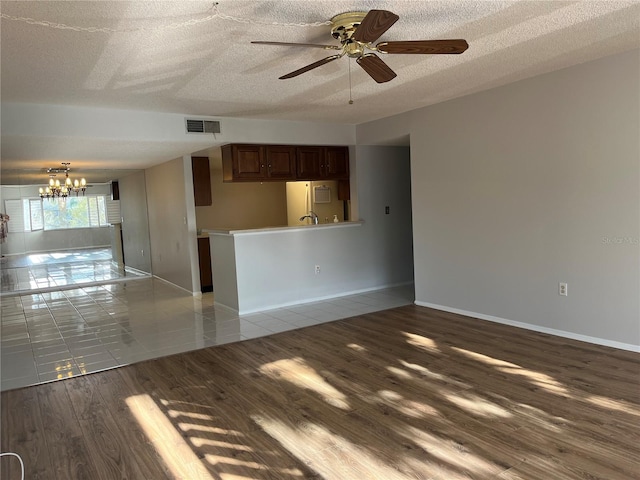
[(60, 270), (49, 336)]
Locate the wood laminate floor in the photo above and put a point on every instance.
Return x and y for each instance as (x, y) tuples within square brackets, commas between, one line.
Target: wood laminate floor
[(407, 393)]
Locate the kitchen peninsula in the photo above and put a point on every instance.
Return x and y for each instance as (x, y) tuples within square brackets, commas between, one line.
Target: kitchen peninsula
[(266, 268)]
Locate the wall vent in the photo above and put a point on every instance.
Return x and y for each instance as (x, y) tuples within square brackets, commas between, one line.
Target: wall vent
[(202, 126)]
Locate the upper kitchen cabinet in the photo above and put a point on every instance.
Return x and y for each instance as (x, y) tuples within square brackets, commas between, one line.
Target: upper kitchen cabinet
[(281, 162), (336, 163), (243, 163), (259, 163), (322, 163), (308, 161), (201, 181)]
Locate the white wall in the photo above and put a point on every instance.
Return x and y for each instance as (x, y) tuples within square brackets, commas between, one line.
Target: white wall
[(521, 187), (50, 240), (277, 269)]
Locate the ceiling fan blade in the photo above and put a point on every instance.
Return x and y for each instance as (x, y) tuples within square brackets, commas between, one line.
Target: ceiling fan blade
[(376, 68), (317, 64), (374, 24), (424, 46), (312, 45)]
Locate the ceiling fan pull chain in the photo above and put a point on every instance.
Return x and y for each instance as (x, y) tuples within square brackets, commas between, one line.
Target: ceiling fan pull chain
[(350, 99)]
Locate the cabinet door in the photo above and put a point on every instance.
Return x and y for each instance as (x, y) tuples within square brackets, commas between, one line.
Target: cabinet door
[(280, 160), (201, 181), (248, 162), (336, 163), (308, 161), (204, 257)]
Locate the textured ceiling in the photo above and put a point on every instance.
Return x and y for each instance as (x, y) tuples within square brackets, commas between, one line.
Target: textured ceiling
[(206, 65)]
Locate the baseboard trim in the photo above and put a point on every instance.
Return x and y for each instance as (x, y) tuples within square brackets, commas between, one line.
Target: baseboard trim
[(164, 280), (321, 298), (536, 328)]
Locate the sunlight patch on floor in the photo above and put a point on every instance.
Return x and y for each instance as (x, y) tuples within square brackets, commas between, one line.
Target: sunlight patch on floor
[(450, 452), (201, 442), (409, 408), (191, 427), (421, 342), (477, 405), (37, 259), (225, 462), (540, 417), (400, 373), (328, 453), (174, 451), (425, 372), (356, 347), (610, 403), (539, 379), (296, 371), (195, 416), (542, 380)]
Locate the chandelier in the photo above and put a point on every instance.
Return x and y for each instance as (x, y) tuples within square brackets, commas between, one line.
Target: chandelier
[(55, 189)]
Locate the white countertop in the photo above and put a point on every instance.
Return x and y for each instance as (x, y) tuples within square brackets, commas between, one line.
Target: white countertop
[(259, 231)]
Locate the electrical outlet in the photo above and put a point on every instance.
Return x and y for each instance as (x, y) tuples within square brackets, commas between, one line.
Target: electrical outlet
[(386, 210), (562, 289), (317, 270)]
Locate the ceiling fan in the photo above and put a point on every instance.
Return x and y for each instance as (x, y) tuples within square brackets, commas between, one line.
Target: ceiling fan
[(356, 32)]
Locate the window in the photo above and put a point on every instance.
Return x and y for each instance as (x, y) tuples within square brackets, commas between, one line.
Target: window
[(32, 215), (63, 213)]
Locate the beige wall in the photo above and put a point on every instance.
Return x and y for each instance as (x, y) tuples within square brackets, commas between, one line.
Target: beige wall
[(135, 226), (241, 205), (168, 226), (297, 192)]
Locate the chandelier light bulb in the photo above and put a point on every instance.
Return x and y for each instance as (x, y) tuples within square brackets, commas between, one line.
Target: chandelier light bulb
[(62, 188)]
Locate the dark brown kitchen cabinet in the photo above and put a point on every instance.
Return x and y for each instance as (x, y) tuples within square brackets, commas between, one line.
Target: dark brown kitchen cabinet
[(336, 163), (259, 163), (201, 181), (243, 163), (204, 257), (308, 161), (322, 163), (280, 162)]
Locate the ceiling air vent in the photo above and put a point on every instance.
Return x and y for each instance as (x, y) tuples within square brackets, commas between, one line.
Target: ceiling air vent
[(202, 126)]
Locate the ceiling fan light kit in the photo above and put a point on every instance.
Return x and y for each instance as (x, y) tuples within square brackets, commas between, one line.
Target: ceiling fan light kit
[(357, 30)]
